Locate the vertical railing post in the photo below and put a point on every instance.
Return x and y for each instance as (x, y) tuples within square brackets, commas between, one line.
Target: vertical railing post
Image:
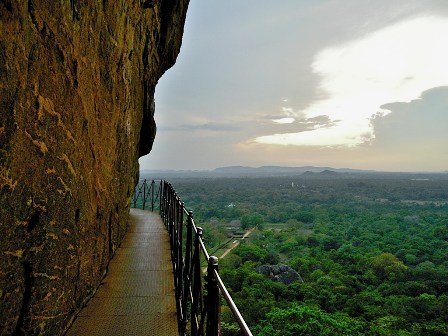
[(186, 271), (177, 257), (180, 263), (213, 300), (163, 201), (161, 197), (196, 302), (171, 206), (144, 194), (152, 195)]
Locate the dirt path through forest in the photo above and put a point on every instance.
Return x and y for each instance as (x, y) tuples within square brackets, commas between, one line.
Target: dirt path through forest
[(236, 242)]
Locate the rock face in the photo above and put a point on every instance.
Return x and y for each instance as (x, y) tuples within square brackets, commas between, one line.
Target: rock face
[(280, 273), (77, 81)]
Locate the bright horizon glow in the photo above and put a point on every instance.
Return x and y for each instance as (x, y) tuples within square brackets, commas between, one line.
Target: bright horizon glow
[(287, 120), (394, 64)]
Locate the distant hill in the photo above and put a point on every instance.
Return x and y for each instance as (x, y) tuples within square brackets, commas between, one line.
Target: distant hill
[(283, 171), (325, 173), (279, 171), (244, 171)]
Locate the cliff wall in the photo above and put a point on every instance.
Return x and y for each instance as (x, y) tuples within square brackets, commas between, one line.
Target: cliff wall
[(77, 81)]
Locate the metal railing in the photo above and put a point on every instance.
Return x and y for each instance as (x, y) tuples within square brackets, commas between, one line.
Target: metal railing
[(146, 194), (198, 302)]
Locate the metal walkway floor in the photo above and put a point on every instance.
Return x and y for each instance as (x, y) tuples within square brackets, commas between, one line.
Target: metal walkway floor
[(137, 295)]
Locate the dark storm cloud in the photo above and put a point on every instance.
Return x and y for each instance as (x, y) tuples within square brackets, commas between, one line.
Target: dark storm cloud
[(420, 122)]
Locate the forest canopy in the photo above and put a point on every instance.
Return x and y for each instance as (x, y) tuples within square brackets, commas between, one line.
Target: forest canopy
[(372, 252)]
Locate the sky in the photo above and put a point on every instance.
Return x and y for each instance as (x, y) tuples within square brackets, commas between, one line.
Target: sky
[(340, 83)]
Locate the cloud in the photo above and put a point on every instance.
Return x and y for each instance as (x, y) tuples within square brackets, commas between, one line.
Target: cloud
[(320, 121), (208, 126), (287, 120), (321, 125), (239, 60), (394, 64), (318, 137), (288, 110), (420, 122), (413, 134)]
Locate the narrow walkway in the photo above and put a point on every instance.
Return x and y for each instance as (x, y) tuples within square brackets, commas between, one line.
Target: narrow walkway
[(137, 295)]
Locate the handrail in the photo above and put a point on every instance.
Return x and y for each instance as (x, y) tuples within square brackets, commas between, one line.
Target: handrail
[(236, 313), (198, 304)]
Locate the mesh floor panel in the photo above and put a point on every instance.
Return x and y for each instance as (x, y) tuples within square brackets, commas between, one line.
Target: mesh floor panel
[(137, 295)]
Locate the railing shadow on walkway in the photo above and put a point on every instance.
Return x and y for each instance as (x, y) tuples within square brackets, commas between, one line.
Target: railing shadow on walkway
[(198, 297)]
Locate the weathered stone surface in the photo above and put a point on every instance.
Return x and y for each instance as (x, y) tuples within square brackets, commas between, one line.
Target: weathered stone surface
[(275, 270), (264, 269), (77, 81), (282, 273)]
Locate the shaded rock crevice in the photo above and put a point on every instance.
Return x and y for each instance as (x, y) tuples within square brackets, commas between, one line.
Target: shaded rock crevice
[(27, 292)]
